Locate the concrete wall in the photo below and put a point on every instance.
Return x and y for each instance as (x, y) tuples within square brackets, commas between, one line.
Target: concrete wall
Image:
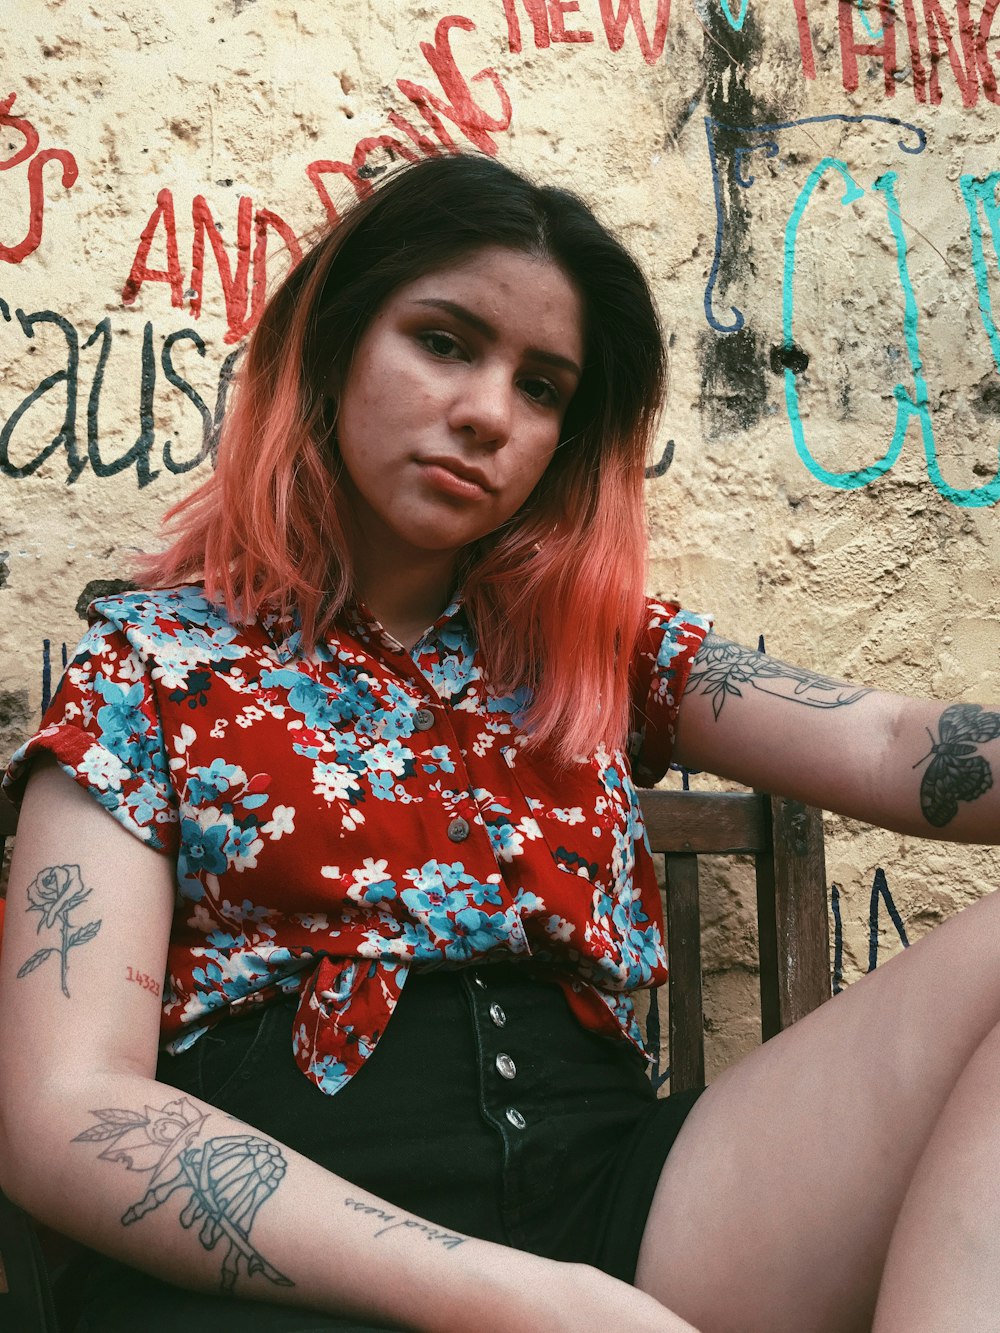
[(812, 187)]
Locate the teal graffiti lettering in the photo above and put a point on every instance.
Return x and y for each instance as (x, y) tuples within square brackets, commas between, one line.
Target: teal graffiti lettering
[(842, 480), (876, 34), (736, 21), (977, 192), (908, 405)]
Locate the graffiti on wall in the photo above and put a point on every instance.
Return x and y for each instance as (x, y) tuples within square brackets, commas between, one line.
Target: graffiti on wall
[(911, 41), (34, 159), (455, 106), (82, 448)]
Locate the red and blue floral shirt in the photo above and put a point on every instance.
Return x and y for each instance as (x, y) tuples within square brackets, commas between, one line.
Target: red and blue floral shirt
[(340, 816)]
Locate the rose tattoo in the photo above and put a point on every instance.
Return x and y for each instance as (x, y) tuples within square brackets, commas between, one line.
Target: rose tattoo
[(53, 894)]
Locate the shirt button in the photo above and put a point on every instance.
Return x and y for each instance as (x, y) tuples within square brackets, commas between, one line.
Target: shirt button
[(423, 719), (458, 829), (515, 1117), (506, 1067), (498, 1015), (479, 982)]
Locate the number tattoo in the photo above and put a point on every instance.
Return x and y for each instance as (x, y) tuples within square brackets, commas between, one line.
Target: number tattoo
[(223, 1182), (956, 773), (54, 893), (143, 979), (722, 667)]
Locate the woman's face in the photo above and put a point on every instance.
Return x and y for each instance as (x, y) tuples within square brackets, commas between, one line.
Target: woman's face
[(454, 401)]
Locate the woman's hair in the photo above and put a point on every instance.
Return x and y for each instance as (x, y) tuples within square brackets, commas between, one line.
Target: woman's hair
[(556, 596)]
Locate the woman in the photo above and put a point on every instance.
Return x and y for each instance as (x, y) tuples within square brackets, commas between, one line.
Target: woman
[(364, 748)]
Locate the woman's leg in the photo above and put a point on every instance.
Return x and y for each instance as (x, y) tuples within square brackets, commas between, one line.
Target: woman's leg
[(776, 1207), (943, 1270)]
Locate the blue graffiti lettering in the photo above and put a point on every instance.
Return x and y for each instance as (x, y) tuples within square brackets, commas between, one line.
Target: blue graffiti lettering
[(142, 453), (914, 141), (880, 893)]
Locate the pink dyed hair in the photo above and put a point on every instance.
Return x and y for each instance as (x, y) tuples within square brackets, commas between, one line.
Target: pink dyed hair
[(557, 596)]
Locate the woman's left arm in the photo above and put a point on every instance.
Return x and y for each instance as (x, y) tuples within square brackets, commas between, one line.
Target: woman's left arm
[(911, 765)]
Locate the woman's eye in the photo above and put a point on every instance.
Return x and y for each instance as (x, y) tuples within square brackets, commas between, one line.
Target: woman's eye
[(441, 344), (541, 391)]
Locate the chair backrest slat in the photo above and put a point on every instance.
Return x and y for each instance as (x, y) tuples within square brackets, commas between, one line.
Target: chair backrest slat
[(802, 933), (690, 821), (687, 1019)]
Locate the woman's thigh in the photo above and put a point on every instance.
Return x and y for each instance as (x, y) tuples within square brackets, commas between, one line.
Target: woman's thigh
[(775, 1207)]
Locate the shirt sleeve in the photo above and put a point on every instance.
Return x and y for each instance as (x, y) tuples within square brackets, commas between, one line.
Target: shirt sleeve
[(103, 729), (667, 648)]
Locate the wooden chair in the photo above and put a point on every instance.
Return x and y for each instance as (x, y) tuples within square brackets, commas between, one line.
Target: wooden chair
[(786, 840)]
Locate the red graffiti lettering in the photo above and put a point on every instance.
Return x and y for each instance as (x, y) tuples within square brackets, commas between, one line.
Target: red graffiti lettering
[(357, 171), (536, 11), (462, 109), (558, 9), (965, 66), (955, 40), (805, 40), (14, 254), (235, 286), (916, 56), (615, 24), (141, 272), (850, 48), (267, 221), (244, 302), (989, 77)]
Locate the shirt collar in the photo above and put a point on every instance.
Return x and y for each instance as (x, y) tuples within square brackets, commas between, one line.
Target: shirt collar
[(284, 628)]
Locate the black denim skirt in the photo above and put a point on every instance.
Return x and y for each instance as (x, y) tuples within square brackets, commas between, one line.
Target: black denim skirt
[(485, 1108)]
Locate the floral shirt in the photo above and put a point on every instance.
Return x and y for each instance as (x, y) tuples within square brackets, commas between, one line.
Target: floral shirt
[(340, 816)]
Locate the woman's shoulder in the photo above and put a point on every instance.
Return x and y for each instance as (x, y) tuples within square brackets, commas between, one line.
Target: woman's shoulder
[(160, 610), (663, 614), (163, 625)]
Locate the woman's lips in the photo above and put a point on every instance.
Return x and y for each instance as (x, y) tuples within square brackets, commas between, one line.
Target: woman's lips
[(454, 479)]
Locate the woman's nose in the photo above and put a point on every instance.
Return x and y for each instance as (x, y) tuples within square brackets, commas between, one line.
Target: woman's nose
[(485, 407)]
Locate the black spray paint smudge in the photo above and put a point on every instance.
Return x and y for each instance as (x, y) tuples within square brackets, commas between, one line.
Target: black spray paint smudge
[(733, 378)]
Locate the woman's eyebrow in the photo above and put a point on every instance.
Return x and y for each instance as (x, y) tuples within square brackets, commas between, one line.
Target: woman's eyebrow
[(487, 330)]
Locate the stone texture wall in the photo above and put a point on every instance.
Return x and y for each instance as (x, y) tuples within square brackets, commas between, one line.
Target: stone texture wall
[(811, 185)]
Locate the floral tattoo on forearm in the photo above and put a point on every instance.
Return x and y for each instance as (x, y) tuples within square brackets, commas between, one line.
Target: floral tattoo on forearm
[(222, 1182), (54, 893), (723, 670)]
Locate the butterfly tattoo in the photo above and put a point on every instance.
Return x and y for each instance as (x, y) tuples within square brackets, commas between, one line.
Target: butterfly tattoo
[(956, 773)]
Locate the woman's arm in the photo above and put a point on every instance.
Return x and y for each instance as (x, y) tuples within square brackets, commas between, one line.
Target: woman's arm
[(92, 1145), (911, 765)]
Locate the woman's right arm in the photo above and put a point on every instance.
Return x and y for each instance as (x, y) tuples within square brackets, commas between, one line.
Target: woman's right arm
[(93, 1146)]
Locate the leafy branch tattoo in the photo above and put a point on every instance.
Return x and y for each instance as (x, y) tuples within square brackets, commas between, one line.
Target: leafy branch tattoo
[(54, 893), (722, 670), (956, 773), (223, 1182)]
